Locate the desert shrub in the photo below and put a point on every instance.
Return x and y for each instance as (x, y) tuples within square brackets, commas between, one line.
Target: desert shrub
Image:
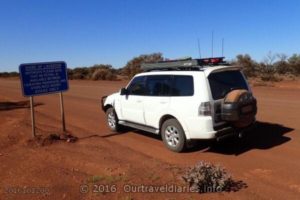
[(270, 77), (103, 74), (70, 73), (272, 66), (248, 65), (78, 73), (283, 67), (267, 73), (111, 76), (205, 176), (267, 66), (294, 62), (9, 74), (95, 72), (268, 70), (94, 68), (134, 65)]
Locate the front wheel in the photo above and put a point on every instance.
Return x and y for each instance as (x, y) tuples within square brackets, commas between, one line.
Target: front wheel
[(112, 120), (173, 135)]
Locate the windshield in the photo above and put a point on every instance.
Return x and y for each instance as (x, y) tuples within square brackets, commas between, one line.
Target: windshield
[(222, 83)]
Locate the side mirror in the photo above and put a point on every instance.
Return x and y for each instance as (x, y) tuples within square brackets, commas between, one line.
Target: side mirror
[(124, 91)]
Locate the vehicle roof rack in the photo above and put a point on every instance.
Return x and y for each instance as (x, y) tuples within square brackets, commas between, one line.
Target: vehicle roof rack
[(187, 64)]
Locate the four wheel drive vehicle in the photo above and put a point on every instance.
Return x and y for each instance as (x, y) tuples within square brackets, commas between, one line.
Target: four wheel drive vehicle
[(183, 100)]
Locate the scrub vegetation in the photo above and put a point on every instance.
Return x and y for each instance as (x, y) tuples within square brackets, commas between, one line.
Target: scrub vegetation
[(275, 67)]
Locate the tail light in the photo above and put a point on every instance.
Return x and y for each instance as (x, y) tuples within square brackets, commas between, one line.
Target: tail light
[(205, 109)]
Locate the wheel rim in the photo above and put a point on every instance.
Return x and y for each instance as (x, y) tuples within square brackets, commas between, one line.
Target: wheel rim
[(111, 118), (172, 136)]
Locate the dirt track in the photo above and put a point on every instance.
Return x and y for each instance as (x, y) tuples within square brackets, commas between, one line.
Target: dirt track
[(267, 161)]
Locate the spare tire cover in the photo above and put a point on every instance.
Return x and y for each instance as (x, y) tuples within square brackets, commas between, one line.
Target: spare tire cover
[(236, 104), (234, 96)]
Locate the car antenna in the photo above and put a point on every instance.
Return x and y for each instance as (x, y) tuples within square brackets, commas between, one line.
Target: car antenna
[(222, 47), (212, 44), (199, 48)]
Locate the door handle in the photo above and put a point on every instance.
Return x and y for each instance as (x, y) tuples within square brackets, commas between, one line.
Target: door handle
[(138, 101), (163, 102)]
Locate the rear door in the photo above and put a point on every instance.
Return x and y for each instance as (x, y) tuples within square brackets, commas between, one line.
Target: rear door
[(221, 83), (157, 99)]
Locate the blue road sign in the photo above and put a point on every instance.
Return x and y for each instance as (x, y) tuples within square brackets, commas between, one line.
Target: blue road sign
[(43, 78)]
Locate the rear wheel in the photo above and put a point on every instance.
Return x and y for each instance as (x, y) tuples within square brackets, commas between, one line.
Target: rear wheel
[(112, 120), (173, 135)]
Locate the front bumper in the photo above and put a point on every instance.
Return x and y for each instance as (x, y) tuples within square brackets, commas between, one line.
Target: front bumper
[(102, 102)]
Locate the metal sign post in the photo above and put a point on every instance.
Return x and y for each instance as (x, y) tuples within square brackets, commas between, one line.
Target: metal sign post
[(44, 78), (62, 111), (32, 116)]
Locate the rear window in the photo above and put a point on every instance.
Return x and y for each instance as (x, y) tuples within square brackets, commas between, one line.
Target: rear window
[(182, 86), (223, 82)]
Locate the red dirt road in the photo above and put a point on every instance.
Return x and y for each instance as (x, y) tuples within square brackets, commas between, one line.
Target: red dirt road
[(267, 161)]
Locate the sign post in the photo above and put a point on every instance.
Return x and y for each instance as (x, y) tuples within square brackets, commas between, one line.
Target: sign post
[(44, 78), (62, 111), (32, 116)]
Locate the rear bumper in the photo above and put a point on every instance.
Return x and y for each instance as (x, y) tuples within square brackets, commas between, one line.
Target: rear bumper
[(221, 132), (231, 131)]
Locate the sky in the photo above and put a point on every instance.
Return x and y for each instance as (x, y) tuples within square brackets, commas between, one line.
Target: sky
[(87, 32)]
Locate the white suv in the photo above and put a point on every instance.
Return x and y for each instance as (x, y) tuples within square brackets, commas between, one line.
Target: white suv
[(184, 100)]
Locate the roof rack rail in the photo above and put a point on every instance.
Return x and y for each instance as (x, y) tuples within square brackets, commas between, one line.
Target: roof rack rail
[(183, 64)]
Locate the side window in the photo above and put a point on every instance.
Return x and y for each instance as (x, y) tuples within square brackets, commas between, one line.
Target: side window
[(183, 86), (137, 86), (158, 85)]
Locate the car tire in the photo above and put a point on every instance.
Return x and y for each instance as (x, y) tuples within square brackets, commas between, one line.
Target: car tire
[(112, 120), (239, 98), (173, 135)]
